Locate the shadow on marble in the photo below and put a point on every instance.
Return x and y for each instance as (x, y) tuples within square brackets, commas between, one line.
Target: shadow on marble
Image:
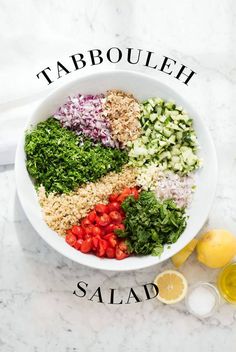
[(5, 168)]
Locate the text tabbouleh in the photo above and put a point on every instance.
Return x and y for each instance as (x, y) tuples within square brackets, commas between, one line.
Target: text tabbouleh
[(114, 176)]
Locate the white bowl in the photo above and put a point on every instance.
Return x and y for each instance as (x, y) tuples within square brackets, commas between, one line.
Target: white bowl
[(142, 87)]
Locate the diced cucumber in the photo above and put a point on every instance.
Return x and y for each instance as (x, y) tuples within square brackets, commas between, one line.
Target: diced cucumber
[(167, 139), (167, 132), (153, 117)]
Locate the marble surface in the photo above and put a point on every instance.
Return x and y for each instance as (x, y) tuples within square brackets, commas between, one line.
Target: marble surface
[(38, 311)]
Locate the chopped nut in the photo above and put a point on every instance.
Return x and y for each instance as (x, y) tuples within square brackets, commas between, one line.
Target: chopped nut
[(123, 112)]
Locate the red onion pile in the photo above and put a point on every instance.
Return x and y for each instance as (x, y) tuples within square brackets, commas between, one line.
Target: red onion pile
[(85, 114)]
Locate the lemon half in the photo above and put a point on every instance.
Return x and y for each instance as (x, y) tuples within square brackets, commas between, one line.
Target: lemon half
[(172, 286)]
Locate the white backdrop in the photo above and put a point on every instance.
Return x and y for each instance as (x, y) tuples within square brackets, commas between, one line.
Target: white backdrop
[(37, 309)]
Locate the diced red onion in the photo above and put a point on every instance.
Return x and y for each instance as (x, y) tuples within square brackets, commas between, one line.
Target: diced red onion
[(84, 114)]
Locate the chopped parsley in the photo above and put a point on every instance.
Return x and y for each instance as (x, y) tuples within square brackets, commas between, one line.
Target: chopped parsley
[(61, 161)]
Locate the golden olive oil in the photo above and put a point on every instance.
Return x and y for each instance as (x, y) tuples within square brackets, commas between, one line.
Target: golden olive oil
[(227, 283)]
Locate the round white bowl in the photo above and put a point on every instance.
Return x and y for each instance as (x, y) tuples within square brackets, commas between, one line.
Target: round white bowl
[(142, 87)]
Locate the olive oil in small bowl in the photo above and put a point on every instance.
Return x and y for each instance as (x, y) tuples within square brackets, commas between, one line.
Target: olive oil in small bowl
[(227, 283)]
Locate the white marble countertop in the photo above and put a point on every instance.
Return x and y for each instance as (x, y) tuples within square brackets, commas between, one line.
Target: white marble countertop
[(38, 311)]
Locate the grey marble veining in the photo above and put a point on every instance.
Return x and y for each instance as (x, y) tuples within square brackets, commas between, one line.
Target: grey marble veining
[(38, 311)]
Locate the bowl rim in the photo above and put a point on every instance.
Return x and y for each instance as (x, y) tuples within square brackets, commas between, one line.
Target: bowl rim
[(68, 253)]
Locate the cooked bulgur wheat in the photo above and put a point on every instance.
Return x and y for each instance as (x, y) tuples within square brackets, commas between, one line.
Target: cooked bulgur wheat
[(63, 211), (123, 112)]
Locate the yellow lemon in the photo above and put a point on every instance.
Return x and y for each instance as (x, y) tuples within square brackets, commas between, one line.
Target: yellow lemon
[(216, 248), (179, 258), (172, 286)]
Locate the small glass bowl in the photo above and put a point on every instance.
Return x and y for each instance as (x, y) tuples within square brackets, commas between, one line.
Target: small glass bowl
[(212, 289)]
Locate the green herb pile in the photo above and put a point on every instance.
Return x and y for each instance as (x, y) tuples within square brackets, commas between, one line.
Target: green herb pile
[(61, 161), (168, 138), (149, 223)]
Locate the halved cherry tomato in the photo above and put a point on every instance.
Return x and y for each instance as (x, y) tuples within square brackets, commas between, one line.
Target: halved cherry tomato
[(95, 240), (120, 254), (96, 231), (103, 220), (85, 223), (114, 206), (111, 238), (101, 208), (78, 231), (110, 228), (86, 245), (89, 230), (92, 216), (115, 217), (110, 252), (113, 197), (123, 246), (78, 243), (102, 247), (112, 242), (71, 239)]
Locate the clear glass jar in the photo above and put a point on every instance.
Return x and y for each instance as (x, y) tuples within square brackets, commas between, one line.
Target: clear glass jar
[(226, 283)]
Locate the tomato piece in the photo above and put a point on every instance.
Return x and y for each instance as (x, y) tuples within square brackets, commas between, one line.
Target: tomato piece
[(123, 246), (102, 247), (111, 239), (69, 232), (78, 231), (96, 231), (113, 197), (95, 240), (92, 216), (71, 239), (125, 193), (110, 252), (122, 197), (103, 220), (135, 193), (108, 235), (120, 254), (86, 246), (85, 222), (119, 227), (78, 243), (89, 230), (122, 213), (101, 208), (115, 217), (114, 206), (110, 228)]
